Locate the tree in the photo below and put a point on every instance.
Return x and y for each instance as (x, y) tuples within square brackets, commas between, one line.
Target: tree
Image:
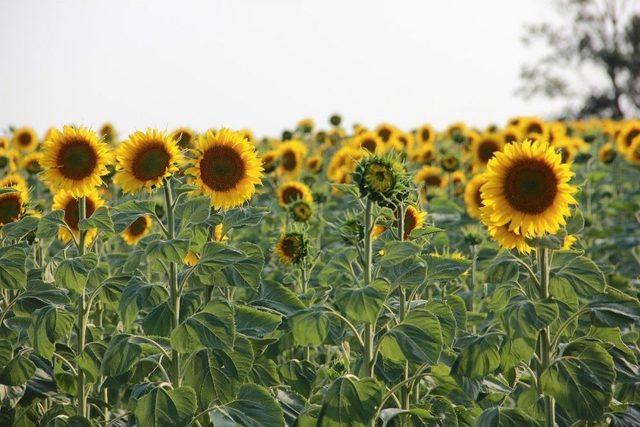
[(592, 58)]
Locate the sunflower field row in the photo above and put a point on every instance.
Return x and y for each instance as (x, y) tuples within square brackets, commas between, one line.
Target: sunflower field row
[(332, 276)]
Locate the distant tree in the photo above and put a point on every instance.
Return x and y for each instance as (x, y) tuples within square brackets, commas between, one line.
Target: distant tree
[(592, 58)]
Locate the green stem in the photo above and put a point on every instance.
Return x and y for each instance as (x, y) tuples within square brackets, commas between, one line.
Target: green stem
[(81, 320), (402, 313), (474, 267), (367, 363), (545, 338), (174, 292)]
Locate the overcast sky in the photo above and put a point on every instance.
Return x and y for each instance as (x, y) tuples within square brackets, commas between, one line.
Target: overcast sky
[(262, 64)]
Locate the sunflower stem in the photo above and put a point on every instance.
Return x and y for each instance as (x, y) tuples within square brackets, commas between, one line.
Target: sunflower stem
[(545, 338), (402, 313), (174, 292), (367, 365), (81, 319)]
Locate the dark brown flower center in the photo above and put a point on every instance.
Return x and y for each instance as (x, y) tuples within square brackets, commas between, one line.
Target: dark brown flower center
[(221, 168), (72, 212), (478, 196), (25, 139), (530, 186), (630, 136), (385, 134), (77, 159), (369, 145), (138, 227), (410, 222), (289, 160), (534, 128), (183, 139), (151, 162), (487, 149), (433, 181), (425, 134), (10, 207), (291, 194)]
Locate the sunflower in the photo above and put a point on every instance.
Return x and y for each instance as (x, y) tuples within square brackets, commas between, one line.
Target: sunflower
[(12, 205), (425, 154), (473, 195), (292, 153), (485, 147), (627, 134), (32, 163), (533, 127), (385, 131), (511, 134), (248, 135), (413, 220), (528, 188), (4, 142), (191, 258), (633, 153), (314, 163), (16, 181), (450, 163), (371, 142), (7, 160), (502, 234), (184, 137), (218, 233), (137, 230), (457, 131), (292, 191), (69, 203), (269, 161), (108, 133), (226, 168), (458, 179), (291, 248), (343, 162), (25, 139), (301, 210), (568, 242), (145, 159), (306, 125), (425, 134), (74, 160), (430, 176)]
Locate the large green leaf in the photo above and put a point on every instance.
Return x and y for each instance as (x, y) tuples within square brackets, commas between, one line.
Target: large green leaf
[(12, 267), (255, 323), (363, 304), (614, 308), (136, 295), (213, 327), (195, 210), (444, 268), (73, 273), (18, 371), (479, 356), (579, 272), (19, 229), (166, 408), (446, 318), (505, 417), (49, 324), (254, 407), (171, 250), (350, 401), (126, 213), (395, 252), (123, 351), (418, 338), (409, 272), (100, 220), (277, 297), (50, 224), (309, 326), (581, 380), (245, 272)]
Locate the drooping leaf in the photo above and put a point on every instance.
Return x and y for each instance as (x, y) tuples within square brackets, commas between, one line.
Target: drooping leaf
[(309, 326), (579, 272), (165, 408), (418, 338), (505, 417), (18, 371), (213, 327), (255, 323), (73, 273), (479, 356), (253, 407), (350, 401), (49, 324), (12, 267), (363, 304)]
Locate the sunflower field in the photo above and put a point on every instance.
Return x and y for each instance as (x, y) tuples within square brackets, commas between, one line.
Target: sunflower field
[(333, 276)]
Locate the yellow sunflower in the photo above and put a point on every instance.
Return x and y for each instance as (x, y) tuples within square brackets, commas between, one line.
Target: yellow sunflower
[(108, 133), (424, 154), (218, 234), (32, 163), (633, 152), (473, 195), (343, 162), (505, 237), (425, 134), (511, 134), (402, 142), (269, 161), (14, 180), (4, 142), (25, 139), (12, 205), (191, 258), (69, 203), (74, 160), (413, 220), (627, 134), (292, 191), (534, 128), (607, 154), (137, 230), (485, 147), (184, 137), (145, 159), (371, 142), (568, 242), (528, 188), (291, 248), (292, 154), (227, 168), (314, 163), (385, 131), (7, 160), (430, 176)]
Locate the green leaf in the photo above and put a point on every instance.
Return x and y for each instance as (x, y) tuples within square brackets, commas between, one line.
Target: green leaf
[(505, 417), (350, 401), (19, 229), (255, 323), (213, 327), (126, 213), (171, 250), (443, 268), (575, 224), (479, 356), (18, 371), (91, 359), (418, 338), (12, 267), (48, 325), (166, 408), (137, 295), (245, 216), (395, 252), (614, 308), (363, 304), (407, 273), (446, 318), (195, 210), (420, 414), (582, 274), (123, 351), (245, 272), (73, 273), (49, 225), (581, 380), (277, 297), (100, 219), (254, 407), (309, 326)]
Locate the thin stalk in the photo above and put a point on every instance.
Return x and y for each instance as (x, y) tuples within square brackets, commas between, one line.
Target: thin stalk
[(367, 364), (174, 292), (474, 273), (81, 320), (402, 313), (545, 338)]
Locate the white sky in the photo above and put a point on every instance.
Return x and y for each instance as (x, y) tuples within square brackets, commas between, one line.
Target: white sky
[(262, 64)]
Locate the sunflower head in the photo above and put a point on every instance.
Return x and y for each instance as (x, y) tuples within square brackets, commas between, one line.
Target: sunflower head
[(291, 191), (300, 210), (379, 178), (32, 163), (74, 160), (385, 131), (528, 189), (12, 204), (306, 125), (137, 230), (292, 248), (145, 159), (335, 119), (25, 139), (292, 154), (70, 204), (269, 161), (184, 137), (227, 168), (14, 180), (473, 195), (633, 153), (413, 220), (108, 133), (425, 134), (626, 135), (485, 147), (450, 163), (314, 163), (4, 142), (430, 177), (370, 142)]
